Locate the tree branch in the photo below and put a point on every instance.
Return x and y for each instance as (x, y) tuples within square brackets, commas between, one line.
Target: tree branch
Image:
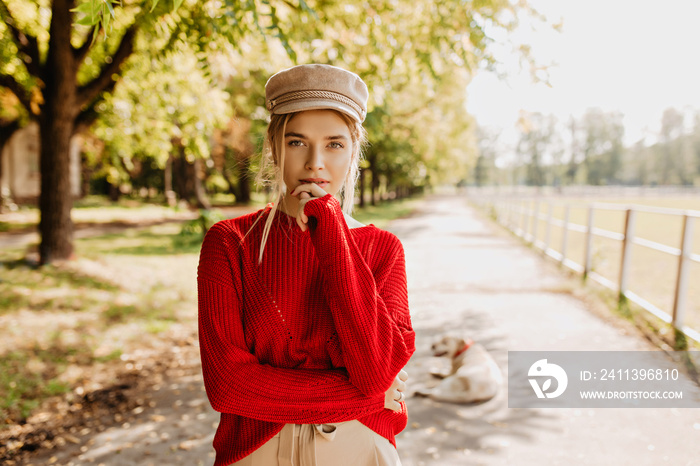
[(90, 91), (89, 114), (17, 89), (81, 52), (26, 43)]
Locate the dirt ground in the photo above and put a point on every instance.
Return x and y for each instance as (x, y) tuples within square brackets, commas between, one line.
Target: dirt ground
[(465, 274)]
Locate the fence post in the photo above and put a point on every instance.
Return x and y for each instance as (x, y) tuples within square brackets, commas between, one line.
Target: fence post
[(589, 244), (565, 234), (535, 222), (548, 233), (523, 221), (682, 279), (506, 214), (626, 254)]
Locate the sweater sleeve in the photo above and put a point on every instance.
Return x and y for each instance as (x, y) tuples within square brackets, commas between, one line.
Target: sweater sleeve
[(234, 379), (369, 307)]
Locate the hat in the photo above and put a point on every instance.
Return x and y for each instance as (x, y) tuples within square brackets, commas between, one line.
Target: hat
[(315, 87)]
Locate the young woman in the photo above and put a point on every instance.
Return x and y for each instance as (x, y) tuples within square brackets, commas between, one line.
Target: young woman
[(304, 324)]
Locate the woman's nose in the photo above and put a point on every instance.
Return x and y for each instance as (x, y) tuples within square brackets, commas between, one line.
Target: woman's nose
[(315, 158)]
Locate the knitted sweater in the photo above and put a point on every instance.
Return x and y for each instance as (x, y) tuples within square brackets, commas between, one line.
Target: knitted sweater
[(316, 333)]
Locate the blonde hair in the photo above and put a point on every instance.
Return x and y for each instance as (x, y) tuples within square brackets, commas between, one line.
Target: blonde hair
[(271, 171)]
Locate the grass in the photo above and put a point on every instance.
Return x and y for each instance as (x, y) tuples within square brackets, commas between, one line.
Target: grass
[(96, 209), (161, 240), (381, 214), (26, 287), (27, 376), (16, 226), (59, 316)]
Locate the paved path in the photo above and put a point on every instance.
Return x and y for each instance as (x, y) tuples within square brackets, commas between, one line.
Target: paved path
[(465, 274)]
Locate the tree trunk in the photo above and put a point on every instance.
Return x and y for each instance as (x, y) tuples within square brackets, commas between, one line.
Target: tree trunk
[(6, 133), (228, 155), (170, 197), (114, 192), (199, 191), (180, 176), (57, 123), (243, 196), (374, 177), (362, 187), (374, 188)]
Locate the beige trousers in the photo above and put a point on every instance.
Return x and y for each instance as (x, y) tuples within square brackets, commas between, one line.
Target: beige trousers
[(342, 444)]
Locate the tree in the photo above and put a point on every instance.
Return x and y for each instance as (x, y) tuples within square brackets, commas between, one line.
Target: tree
[(59, 70), (602, 145), (537, 145), (417, 58), (485, 167), (162, 114)]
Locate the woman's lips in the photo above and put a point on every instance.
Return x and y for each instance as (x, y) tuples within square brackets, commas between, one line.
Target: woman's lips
[(315, 181)]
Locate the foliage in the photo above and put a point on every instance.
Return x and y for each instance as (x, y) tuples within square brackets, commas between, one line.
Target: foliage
[(538, 146), (591, 151), (161, 104), (198, 227), (416, 59)]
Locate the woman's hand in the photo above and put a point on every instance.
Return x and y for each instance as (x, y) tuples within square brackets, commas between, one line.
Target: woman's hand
[(395, 395), (306, 192)]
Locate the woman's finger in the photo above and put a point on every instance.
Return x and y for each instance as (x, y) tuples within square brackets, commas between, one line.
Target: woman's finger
[(401, 386), (312, 188), (403, 375)]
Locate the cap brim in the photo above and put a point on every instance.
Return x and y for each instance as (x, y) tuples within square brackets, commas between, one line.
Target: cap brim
[(316, 104)]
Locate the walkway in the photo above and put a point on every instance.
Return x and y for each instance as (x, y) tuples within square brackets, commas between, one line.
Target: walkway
[(466, 273)]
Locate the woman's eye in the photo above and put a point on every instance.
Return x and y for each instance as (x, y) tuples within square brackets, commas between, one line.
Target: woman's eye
[(336, 145), (295, 143)]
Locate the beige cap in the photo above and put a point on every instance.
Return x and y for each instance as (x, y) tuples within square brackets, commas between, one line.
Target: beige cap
[(315, 87)]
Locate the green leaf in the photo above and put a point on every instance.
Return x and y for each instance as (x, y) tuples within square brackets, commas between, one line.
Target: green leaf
[(154, 3), (108, 3), (176, 4), (88, 21), (85, 8), (95, 32)]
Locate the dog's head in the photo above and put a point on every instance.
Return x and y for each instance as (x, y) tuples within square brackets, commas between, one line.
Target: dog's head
[(450, 346)]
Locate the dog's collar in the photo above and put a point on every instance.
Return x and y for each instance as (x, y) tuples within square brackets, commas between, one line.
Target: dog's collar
[(466, 346)]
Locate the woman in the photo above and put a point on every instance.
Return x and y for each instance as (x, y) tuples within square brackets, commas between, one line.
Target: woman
[(303, 311)]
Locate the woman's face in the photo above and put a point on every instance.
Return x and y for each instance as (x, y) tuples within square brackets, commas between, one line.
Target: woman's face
[(318, 149)]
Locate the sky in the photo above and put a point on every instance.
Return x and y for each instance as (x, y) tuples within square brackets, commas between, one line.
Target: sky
[(638, 57)]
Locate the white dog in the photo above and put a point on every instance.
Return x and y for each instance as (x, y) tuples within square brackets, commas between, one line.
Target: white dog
[(475, 376)]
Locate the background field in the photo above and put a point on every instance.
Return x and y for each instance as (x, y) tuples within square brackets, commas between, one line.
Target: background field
[(652, 273)]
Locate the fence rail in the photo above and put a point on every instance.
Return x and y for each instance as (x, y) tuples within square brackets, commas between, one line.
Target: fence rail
[(523, 217)]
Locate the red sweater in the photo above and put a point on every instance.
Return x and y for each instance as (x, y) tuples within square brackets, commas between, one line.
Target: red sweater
[(314, 334)]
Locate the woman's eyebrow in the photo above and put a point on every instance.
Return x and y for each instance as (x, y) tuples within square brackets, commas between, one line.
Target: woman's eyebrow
[(301, 136)]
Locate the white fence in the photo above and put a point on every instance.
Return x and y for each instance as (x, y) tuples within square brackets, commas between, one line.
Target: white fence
[(523, 215)]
